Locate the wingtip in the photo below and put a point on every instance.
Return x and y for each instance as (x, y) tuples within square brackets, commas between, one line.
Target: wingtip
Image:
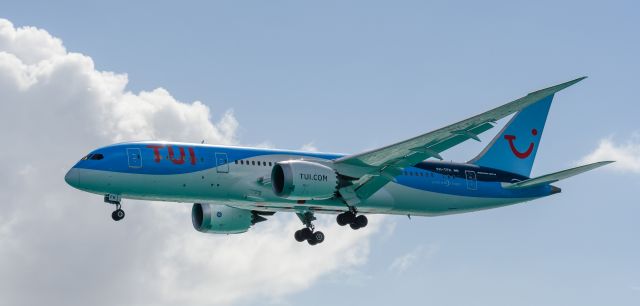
[(559, 87), (600, 163), (605, 162), (576, 80), (567, 84)]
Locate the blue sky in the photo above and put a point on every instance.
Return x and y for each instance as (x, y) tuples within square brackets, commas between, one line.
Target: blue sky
[(350, 76), (409, 61)]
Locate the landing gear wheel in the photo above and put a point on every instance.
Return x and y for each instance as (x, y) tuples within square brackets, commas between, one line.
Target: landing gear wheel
[(299, 236), (345, 218), (117, 214), (340, 219), (306, 233), (318, 237), (361, 221), (315, 238), (310, 236), (354, 221)]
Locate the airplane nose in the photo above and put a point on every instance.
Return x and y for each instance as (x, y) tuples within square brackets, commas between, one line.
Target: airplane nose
[(72, 177)]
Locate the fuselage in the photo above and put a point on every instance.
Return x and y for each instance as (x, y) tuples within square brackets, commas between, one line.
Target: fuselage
[(239, 176)]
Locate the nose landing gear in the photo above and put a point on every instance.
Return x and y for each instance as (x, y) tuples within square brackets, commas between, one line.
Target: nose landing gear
[(117, 214)]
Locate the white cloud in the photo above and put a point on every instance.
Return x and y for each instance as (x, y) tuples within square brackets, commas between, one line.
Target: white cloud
[(626, 155), (59, 245), (309, 147), (403, 262), (264, 145)]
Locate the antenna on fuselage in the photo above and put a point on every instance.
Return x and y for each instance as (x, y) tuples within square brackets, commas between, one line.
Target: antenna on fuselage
[(202, 142)]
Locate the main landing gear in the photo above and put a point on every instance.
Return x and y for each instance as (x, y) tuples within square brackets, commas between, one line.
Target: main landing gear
[(354, 221), (117, 214), (308, 233)]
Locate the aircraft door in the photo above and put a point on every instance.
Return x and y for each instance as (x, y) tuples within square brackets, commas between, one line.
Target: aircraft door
[(472, 182), (134, 158), (222, 163)]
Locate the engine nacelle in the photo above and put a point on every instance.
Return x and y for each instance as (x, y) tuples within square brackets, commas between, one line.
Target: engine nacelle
[(222, 219), (303, 180)]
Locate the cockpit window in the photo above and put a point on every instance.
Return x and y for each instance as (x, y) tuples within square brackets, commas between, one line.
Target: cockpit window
[(96, 156), (87, 157)]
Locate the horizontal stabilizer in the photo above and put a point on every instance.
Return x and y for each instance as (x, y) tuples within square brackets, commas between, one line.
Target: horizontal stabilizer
[(554, 177)]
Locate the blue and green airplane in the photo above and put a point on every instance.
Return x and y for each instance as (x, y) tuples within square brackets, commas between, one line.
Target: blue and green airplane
[(234, 188)]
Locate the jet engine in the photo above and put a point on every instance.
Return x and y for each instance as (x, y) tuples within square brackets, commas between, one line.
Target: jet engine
[(303, 180), (222, 219)]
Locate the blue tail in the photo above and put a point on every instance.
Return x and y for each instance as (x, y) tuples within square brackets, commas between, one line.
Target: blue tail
[(514, 148)]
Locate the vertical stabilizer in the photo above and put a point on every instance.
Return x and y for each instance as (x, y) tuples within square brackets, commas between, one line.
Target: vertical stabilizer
[(514, 148)]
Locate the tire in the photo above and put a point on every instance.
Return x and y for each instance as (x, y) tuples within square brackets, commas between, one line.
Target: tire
[(341, 220), (362, 221), (348, 217), (312, 242), (117, 215), (354, 226), (298, 236), (306, 233), (318, 236)]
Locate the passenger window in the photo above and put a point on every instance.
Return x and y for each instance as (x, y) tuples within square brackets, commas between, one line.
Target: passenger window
[(258, 163), (269, 164), (236, 161), (253, 162)]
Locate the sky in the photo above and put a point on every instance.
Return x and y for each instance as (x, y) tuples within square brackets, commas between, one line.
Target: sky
[(332, 76)]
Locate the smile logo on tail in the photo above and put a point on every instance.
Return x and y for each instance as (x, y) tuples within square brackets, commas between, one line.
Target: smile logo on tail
[(521, 155)]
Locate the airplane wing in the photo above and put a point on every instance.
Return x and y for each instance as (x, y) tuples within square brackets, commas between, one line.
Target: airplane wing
[(554, 177), (375, 168)]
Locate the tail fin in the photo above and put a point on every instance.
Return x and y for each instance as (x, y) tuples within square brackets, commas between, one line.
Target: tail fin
[(514, 148)]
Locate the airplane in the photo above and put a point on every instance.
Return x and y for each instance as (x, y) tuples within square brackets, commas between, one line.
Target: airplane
[(233, 188)]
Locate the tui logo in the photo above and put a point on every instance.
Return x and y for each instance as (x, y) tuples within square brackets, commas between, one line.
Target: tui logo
[(516, 152)]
